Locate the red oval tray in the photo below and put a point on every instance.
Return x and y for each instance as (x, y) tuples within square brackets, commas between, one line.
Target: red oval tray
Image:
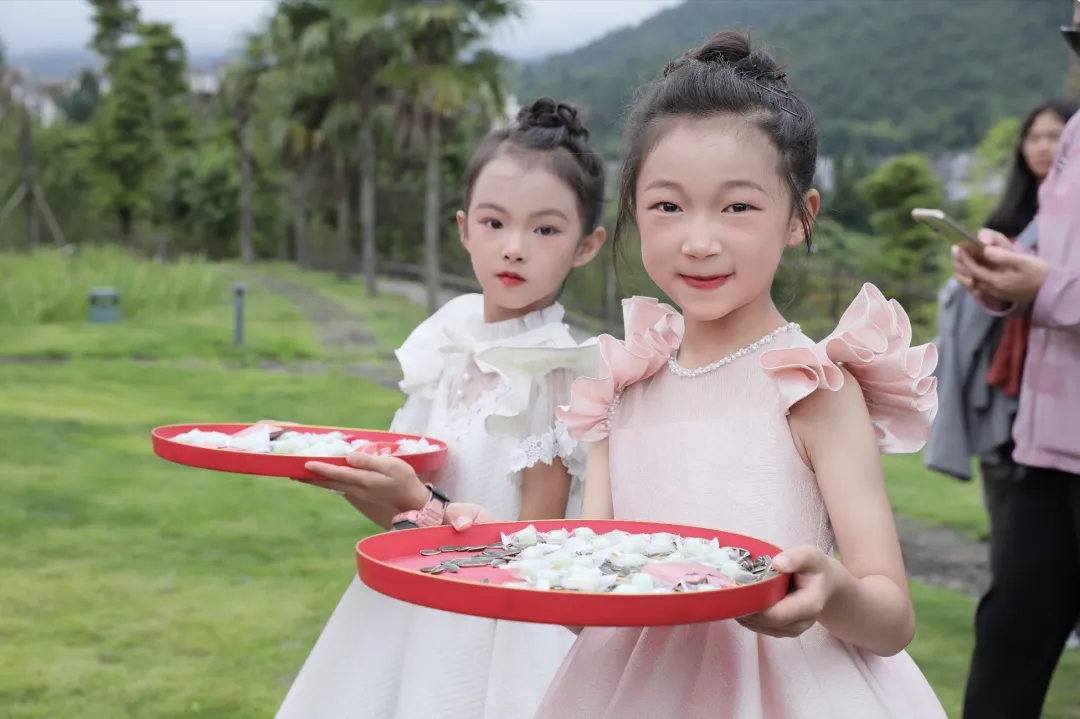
[(276, 465), (389, 563)]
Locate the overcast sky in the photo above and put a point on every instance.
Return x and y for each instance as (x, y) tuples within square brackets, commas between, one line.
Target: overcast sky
[(213, 25)]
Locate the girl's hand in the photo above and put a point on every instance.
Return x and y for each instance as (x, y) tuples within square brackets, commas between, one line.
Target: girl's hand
[(815, 582), (462, 515), (388, 481)]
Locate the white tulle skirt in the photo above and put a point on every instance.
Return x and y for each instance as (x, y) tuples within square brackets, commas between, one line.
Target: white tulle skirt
[(378, 658)]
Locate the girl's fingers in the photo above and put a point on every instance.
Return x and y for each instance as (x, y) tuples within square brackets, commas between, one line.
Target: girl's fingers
[(782, 632), (362, 478), (334, 487), (464, 515), (394, 467), (800, 606)]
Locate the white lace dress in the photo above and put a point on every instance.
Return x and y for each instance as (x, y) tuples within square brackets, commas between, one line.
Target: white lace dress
[(490, 391)]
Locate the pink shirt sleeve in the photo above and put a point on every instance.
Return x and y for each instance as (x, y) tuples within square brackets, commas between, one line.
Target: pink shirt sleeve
[(1057, 306)]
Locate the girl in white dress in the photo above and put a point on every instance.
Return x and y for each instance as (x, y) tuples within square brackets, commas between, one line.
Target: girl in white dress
[(485, 374)]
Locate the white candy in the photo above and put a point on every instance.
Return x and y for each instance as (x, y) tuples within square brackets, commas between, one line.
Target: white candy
[(630, 561), (558, 536), (526, 537), (576, 544), (309, 444), (583, 560), (533, 552), (603, 542)]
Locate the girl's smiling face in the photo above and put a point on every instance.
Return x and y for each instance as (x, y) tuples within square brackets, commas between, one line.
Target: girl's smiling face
[(523, 232), (714, 215)]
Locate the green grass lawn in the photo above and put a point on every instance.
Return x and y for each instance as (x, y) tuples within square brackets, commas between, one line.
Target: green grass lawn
[(942, 649), (390, 317), (938, 500), (131, 587), (274, 330)]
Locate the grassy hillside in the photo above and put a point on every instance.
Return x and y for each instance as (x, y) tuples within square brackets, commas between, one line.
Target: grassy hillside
[(883, 76)]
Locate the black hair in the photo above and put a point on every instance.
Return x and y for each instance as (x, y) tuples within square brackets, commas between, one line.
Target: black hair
[(725, 76), (1020, 200), (554, 130)]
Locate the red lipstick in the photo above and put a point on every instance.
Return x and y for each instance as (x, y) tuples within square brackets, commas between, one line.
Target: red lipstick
[(510, 279), (705, 282)]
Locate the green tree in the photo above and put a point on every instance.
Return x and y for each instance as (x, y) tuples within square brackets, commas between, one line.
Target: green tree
[(115, 21), (992, 160), (81, 104), (344, 49), (442, 71), (166, 59), (126, 152), (910, 258), (201, 196), (145, 115), (297, 101), (844, 204), (239, 88)]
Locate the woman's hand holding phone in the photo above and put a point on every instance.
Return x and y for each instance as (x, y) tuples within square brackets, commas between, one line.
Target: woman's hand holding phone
[(998, 275)]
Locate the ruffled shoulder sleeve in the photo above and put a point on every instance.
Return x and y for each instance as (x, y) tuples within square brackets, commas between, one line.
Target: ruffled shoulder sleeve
[(873, 343), (653, 332), (422, 356)]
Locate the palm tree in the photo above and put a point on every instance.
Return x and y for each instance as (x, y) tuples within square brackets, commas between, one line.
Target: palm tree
[(239, 88), (297, 104), (442, 72), (343, 50), (356, 38)]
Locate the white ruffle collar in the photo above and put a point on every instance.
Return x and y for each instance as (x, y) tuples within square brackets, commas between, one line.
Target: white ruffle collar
[(518, 349)]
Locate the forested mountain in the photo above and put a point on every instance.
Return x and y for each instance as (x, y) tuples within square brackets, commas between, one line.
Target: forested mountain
[(883, 75)]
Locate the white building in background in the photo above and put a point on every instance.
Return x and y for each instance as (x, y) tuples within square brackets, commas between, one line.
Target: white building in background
[(42, 96), (38, 97), (206, 83), (956, 171)]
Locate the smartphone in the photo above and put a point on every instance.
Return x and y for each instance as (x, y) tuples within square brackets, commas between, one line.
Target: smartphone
[(1072, 37), (948, 228)]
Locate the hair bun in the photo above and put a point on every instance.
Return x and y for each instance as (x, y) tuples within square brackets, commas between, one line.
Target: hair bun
[(546, 112), (733, 49)]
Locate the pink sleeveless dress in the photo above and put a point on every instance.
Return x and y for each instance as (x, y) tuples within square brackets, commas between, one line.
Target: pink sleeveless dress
[(716, 450)]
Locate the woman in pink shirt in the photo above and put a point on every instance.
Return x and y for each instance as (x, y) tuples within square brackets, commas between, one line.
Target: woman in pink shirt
[(1025, 618)]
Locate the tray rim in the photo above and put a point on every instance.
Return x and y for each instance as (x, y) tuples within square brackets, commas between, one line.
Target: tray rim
[(441, 445), (767, 586)]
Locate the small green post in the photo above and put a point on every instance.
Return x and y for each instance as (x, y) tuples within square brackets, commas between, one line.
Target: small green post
[(238, 329), (105, 305)]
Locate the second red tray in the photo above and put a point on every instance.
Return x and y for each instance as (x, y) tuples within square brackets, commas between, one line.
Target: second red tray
[(389, 563), (277, 465)]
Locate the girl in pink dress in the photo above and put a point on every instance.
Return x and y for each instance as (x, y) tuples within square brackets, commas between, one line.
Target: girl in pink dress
[(727, 416)]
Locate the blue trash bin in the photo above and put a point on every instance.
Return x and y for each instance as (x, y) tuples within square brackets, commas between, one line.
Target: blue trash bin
[(105, 305)]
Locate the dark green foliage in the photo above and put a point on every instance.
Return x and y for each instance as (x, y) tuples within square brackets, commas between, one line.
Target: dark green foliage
[(82, 103), (883, 76), (910, 258)]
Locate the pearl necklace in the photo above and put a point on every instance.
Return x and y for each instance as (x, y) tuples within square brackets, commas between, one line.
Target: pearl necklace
[(676, 368)]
